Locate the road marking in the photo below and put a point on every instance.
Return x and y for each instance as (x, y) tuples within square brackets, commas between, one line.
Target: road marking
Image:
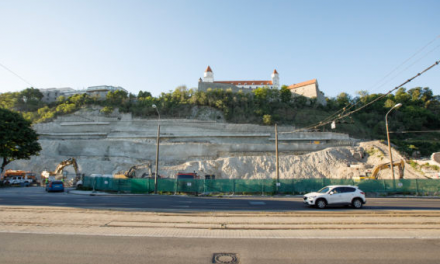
[(241, 236), (257, 203)]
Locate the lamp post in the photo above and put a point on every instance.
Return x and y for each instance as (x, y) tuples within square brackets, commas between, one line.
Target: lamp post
[(277, 159), (157, 150), (389, 143)]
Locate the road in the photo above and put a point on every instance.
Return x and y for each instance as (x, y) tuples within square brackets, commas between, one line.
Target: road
[(69, 228), (36, 196), (29, 248)]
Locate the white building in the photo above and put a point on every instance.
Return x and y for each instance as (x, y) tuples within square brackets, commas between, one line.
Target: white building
[(244, 85), (51, 94), (102, 90)]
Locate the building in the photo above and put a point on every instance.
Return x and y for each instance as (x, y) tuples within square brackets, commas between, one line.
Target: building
[(101, 91), (308, 89), (235, 86), (51, 94)]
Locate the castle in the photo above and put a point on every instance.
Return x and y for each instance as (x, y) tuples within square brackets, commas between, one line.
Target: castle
[(235, 86), (308, 89)]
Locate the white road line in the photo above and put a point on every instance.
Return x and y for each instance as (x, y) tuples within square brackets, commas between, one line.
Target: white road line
[(230, 237)]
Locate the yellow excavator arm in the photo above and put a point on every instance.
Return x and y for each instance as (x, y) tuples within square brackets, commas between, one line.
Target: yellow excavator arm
[(375, 172)]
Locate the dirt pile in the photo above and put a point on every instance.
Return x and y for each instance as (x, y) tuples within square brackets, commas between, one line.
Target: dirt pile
[(334, 163)]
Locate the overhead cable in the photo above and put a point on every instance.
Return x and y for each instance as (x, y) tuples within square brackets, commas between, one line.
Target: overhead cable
[(362, 107)]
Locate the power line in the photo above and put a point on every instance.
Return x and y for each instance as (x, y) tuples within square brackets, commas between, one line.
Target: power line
[(406, 132), (351, 105), (21, 78), (404, 62), (320, 124)]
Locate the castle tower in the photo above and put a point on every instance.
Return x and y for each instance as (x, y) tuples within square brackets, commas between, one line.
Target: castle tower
[(275, 79), (208, 75)]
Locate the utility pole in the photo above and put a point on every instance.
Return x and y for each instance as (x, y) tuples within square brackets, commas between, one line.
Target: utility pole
[(277, 158), (389, 144), (157, 149), (157, 159)]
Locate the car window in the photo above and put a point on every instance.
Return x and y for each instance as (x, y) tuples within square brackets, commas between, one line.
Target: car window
[(324, 190), (349, 189), (338, 190)]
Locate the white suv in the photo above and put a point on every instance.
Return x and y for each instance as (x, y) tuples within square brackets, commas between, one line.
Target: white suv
[(336, 195)]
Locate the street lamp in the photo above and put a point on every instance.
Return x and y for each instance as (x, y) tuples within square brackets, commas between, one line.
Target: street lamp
[(155, 107), (157, 150), (389, 143)]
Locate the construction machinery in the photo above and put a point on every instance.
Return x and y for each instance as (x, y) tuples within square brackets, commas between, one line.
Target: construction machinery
[(15, 177), (374, 173), (187, 176), (131, 173), (57, 174)]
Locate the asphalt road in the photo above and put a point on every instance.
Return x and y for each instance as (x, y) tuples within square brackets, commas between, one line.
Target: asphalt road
[(48, 249), (36, 196)]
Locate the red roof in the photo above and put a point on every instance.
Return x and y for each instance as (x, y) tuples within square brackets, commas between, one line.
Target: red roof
[(275, 71), (208, 69), (246, 82), (294, 86)]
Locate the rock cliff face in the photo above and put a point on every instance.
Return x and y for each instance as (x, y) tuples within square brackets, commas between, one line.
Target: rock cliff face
[(332, 163), (109, 144)]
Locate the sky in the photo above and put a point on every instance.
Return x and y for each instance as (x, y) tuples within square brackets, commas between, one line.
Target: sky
[(156, 46)]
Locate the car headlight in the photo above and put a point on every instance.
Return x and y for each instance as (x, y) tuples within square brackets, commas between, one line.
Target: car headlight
[(311, 197)]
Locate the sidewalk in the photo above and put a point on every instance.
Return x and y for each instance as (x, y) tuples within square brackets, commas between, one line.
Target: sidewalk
[(274, 225)]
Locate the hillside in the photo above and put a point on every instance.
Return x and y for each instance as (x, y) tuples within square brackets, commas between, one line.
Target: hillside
[(410, 125)]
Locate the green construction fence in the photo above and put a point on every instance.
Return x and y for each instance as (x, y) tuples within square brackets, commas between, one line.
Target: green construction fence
[(255, 187)]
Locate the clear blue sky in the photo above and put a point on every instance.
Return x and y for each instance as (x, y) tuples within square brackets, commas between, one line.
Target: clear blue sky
[(158, 45)]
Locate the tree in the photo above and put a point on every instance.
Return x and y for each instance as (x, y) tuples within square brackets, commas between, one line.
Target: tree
[(285, 94), (116, 98), (267, 119), (29, 99), (343, 99), (17, 138), (142, 94)]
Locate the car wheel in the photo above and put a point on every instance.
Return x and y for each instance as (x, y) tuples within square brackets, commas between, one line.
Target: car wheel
[(357, 203), (321, 204)]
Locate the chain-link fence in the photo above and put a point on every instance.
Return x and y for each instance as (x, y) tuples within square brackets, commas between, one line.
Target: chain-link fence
[(264, 187)]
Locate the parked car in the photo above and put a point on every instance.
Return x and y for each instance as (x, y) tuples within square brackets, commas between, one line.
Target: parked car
[(55, 186), (336, 195)]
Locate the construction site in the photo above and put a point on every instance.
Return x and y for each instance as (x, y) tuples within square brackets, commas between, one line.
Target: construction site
[(118, 145)]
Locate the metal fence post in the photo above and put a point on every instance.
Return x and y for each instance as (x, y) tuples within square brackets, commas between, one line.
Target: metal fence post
[(417, 188)]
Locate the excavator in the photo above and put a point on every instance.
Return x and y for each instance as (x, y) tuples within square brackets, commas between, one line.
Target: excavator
[(131, 173), (374, 173), (57, 174)]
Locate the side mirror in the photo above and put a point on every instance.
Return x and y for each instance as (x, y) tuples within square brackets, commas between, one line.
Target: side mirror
[(331, 193)]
